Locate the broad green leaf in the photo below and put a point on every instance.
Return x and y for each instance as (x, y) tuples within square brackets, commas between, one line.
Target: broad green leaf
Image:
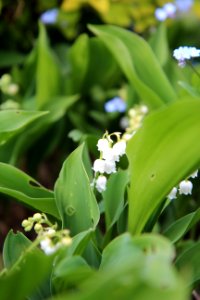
[(27, 274), (193, 91), (47, 71), (102, 66), (159, 44), (155, 245), (70, 271), (25, 189), (139, 64), (127, 270), (161, 154), (12, 122), (180, 227), (119, 251), (10, 58), (80, 242), (14, 246), (79, 58), (190, 260), (74, 196), (114, 197), (56, 108)]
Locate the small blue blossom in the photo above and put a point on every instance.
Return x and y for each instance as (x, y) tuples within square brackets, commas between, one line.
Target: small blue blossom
[(184, 5), (160, 14), (115, 105), (185, 53), (49, 16), (167, 11)]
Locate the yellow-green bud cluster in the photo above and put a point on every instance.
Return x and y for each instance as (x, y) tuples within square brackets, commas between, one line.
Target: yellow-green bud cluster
[(7, 86), (135, 118), (37, 221), (48, 237)]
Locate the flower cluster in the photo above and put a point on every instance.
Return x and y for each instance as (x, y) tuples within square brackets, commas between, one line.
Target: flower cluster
[(134, 120), (110, 154), (185, 187), (170, 9), (167, 11), (116, 104), (185, 53), (7, 86), (49, 238)]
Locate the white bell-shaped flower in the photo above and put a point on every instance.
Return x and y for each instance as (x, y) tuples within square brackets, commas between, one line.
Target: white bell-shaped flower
[(185, 187), (101, 183), (110, 167), (172, 194), (194, 174), (119, 148), (110, 155), (103, 145), (99, 165), (47, 246)]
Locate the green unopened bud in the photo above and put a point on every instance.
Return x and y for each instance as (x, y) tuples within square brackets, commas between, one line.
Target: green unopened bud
[(5, 79), (38, 227), (37, 217), (66, 241), (66, 231), (28, 228), (25, 223)]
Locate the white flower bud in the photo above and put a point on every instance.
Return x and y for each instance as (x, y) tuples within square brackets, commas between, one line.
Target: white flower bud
[(101, 183), (172, 194), (144, 109), (109, 155), (195, 174), (110, 167), (103, 144), (66, 241), (120, 148), (185, 187), (12, 89), (47, 246), (99, 165), (50, 232)]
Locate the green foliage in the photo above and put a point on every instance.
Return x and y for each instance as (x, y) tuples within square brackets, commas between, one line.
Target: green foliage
[(14, 245), (122, 237), (19, 185), (20, 267), (127, 270), (138, 63), (12, 122), (113, 197), (189, 261), (155, 165), (72, 185), (180, 227), (47, 73)]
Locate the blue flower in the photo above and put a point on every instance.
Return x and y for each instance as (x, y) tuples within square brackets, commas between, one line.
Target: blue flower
[(115, 105), (167, 11), (49, 16), (184, 5), (185, 53)]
